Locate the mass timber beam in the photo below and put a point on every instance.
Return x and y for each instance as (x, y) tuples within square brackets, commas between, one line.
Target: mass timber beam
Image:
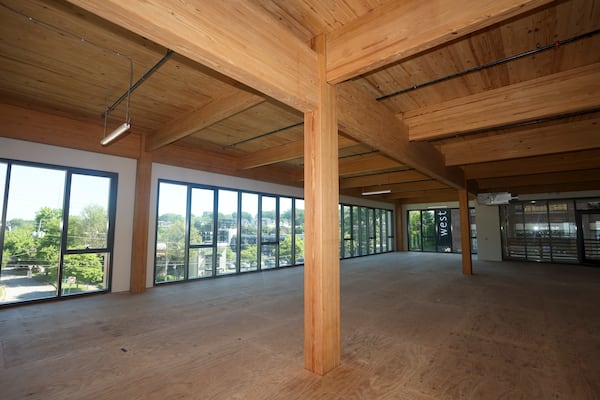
[(465, 232), (561, 93), (366, 163), (404, 28), (41, 127), (558, 138), (429, 193), (322, 346), (554, 178), (401, 187), (213, 112), (361, 117), (579, 160), (235, 38), (386, 178), (281, 153), (220, 163)]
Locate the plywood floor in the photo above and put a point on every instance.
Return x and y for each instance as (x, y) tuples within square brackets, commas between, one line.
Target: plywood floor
[(412, 328)]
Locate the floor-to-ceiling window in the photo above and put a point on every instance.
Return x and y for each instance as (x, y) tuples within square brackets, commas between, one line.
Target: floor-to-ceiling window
[(57, 230), (438, 230), (550, 230), (206, 231)]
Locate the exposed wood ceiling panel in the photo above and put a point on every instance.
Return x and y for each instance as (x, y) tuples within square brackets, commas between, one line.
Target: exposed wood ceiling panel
[(202, 116)]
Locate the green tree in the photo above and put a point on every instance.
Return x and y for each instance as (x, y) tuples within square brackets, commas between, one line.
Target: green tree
[(86, 268)]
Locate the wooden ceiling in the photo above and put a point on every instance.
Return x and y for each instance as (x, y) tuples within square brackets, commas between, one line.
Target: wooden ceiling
[(511, 104)]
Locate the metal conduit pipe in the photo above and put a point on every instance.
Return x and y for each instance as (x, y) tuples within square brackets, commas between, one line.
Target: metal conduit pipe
[(493, 63), (138, 82), (263, 135)]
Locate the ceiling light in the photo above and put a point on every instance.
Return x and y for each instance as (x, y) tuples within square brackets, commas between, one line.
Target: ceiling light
[(124, 127), (377, 192)]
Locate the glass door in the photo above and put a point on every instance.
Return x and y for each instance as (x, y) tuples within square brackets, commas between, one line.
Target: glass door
[(589, 228)]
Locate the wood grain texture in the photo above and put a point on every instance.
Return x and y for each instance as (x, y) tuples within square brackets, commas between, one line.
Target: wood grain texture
[(402, 29), (465, 232), (213, 112), (413, 328), (321, 224), (528, 142), (216, 35), (141, 217), (382, 179), (43, 127), (364, 119), (533, 99)]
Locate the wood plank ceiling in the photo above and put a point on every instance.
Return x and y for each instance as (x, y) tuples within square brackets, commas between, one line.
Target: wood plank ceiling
[(526, 124)]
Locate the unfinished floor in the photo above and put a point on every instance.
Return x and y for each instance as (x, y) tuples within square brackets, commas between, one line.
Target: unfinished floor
[(413, 327)]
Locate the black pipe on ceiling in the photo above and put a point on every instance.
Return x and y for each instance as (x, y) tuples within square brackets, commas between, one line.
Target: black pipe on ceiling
[(146, 75), (263, 135), (493, 63)]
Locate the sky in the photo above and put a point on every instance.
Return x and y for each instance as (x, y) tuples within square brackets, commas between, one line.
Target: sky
[(32, 188)]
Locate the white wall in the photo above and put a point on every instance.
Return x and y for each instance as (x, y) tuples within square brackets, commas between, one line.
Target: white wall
[(125, 167), (489, 245)]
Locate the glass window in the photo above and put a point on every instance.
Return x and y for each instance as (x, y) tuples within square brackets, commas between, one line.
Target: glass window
[(231, 231), (563, 230), (84, 266), (170, 233), (414, 231), (269, 242), (428, 230), (285, 231), (299, 231), (249, 233), (227, 232), (347, 230), (201, 262), (38, 262), (390, 230), (363, 237), (378, 234)]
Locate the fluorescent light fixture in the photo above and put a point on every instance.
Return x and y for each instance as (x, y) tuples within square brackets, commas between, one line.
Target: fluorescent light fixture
[(376, 192), (116, 133)]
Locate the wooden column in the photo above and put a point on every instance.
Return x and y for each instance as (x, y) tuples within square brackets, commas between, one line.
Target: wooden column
[(141, 213), (465, 231), (321, 240), (399, 227)]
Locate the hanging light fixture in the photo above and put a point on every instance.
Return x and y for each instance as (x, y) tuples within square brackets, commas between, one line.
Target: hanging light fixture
[(124, 127), (376, 192)]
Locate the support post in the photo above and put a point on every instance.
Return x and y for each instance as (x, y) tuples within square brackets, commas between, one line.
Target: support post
[(399, 227), (141, 213), (321, 196), (465, 231)]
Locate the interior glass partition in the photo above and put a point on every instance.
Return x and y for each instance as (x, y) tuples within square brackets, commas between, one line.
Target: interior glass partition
[(545, 230)]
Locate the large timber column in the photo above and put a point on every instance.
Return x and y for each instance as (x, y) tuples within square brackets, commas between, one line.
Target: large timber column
[(141, 213), (321, 259), (399, 227), (465, 231)]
